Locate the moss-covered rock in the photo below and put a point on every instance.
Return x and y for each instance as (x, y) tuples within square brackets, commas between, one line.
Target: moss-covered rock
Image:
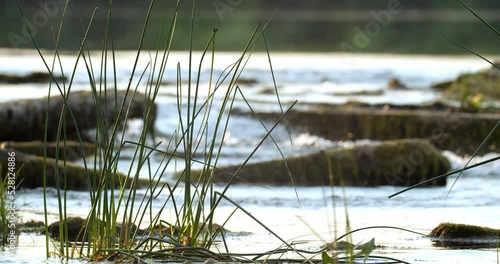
[(484, 83), (398, 163), (75, 227), (472, 89), (69, 175), (455, 131), (26, 119), (35, 77), (70, 150), (441, 86), (395, 83), (461, 235), (32, 226)]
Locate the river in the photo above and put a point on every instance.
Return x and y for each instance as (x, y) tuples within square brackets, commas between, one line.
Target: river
[(311, 215)]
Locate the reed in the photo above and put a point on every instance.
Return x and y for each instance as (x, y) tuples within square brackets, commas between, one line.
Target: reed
[(122, 222)]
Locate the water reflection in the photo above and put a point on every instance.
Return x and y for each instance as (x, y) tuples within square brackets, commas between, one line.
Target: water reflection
[(386, 26)]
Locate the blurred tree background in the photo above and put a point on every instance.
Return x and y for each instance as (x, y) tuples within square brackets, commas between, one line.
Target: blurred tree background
[(390, 26)]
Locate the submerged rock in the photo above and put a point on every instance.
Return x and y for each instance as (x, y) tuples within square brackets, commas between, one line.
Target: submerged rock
[(398, 163), (75, 227), (461, 235)]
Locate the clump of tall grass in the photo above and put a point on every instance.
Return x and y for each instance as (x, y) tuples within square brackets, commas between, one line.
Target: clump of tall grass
[(114, 226), (122, 222)]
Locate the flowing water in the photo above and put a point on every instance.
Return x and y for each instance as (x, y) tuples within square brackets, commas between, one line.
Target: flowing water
[(309, 215)]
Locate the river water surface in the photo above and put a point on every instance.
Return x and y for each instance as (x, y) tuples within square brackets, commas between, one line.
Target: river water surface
[(309, 215)]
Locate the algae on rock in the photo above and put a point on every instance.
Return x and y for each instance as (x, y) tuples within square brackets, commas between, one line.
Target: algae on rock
[(398, 163), (26, 118), (458, 132), (473, 89), (462, 235), (69, 175)]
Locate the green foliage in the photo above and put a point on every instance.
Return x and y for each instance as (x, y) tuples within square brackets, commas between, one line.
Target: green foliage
[(112, 229), (327, 259), (367, 249)]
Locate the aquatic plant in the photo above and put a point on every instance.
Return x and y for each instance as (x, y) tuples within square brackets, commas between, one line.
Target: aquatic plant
[(112, 229), (122, 223)]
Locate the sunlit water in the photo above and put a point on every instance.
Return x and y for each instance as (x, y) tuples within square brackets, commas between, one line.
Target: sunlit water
[(310, 215)]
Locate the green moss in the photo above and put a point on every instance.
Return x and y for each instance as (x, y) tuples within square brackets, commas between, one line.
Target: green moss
[(397, 162), (464, 236), (72, 225), (473, 89), (272, 172), (442, 85), (451, 230)]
